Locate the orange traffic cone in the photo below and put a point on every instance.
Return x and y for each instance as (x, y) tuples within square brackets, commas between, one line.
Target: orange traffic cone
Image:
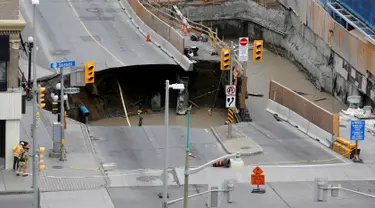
[(184, 30), (148, 39)]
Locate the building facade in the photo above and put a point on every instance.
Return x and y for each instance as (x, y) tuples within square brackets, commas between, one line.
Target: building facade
[(11, 24)]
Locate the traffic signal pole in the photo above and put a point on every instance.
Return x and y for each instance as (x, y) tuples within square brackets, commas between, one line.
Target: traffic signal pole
[(62, 148), (230, 83)]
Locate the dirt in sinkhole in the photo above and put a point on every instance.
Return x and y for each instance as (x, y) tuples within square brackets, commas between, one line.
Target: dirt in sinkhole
[(138, 85)]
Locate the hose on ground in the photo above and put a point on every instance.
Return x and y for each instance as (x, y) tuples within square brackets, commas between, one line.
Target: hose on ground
[(123, 104)]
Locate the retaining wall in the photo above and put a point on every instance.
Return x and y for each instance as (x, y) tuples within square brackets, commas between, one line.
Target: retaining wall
[(308, 117)]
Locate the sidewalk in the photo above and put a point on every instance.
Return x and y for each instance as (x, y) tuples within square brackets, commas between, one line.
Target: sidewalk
[(237, 143), (80, 171)]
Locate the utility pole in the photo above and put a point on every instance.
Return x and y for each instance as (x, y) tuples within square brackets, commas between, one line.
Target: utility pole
[(166, 146), (62, 148), (230, 83), (35, 111)]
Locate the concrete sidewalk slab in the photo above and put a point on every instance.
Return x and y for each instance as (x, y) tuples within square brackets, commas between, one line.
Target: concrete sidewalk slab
[(285, 173), (81, 170), (238, 142), (77, 199)]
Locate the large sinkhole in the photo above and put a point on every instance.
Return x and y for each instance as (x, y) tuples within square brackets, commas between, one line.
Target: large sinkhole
[(140, 83)]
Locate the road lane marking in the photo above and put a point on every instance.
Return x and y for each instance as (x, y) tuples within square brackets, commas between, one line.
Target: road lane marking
[(206, 130), (89, 33)]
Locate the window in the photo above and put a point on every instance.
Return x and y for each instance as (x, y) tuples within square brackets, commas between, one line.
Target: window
[(3, 71), (3, 76)]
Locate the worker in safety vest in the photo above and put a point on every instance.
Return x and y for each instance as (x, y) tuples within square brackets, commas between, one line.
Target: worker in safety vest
[(23, 161), (16, 154)]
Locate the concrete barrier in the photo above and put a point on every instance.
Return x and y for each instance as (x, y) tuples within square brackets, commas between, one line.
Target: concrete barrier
[(301, 123), (156, 38), (319, 134), (272, 106), (296, 120)]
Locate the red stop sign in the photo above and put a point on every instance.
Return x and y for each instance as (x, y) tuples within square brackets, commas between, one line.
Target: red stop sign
[(243, 42)]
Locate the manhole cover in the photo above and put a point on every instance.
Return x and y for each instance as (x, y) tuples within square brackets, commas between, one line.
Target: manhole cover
[(57, 167), (147, 178), (245, 147)]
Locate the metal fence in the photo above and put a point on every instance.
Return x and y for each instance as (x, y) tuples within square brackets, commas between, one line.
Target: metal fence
[(159, 26), (303, 107)]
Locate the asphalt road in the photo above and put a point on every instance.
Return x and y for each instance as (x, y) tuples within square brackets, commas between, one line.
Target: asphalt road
[(19, 201), (286, 194), (87, 30), (283, 144), (143, 147)]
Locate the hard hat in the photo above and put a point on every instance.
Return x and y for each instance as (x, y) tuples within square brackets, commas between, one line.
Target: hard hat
[(22, 143)]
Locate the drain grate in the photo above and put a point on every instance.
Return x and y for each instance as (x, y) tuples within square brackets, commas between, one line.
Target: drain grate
[(57, 167), (148, 178)]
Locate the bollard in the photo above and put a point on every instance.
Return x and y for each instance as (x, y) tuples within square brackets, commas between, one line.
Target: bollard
[(214, 197), (322, 190), (230, 189)]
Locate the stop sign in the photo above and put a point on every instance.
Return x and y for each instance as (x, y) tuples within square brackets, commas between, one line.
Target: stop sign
[(243, 42)]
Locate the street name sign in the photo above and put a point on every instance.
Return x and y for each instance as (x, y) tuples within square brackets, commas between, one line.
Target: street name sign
[(71, 90), (357, 130), (243, 49), (62, 64)]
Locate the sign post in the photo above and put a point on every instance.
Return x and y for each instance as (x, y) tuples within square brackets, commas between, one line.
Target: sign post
[(357, 132), (62, 65), (258, 179), (243, 50)]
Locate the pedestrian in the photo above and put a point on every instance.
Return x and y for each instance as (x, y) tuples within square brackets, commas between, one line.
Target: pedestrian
[(16, 154), (23, 162)]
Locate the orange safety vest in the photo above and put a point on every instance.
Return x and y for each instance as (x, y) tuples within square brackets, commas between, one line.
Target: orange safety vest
[(17, 150)]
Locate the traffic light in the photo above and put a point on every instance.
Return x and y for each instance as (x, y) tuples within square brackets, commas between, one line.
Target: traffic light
[(42, 94), (258, 51), (55, 107), (89, 72), (225, 59), (65, 116), (41, 156)]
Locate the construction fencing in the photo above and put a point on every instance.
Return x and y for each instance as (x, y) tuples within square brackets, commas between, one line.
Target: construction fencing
[(311, 119)]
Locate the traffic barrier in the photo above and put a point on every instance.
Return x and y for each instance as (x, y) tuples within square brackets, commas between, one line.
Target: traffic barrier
[(296, 120), (317, 133), (222, 163), (344, 147), (272, 106), (165, 37)]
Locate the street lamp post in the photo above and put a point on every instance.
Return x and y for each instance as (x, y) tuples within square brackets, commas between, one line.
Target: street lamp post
[(30, 45), (35, 111), (166, 118)]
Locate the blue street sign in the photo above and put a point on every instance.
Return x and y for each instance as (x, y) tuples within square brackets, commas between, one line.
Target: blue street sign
[(357, 130), (62, 64)]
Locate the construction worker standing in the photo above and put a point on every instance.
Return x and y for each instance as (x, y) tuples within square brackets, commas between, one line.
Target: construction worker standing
[(23, 162), (16, 154)]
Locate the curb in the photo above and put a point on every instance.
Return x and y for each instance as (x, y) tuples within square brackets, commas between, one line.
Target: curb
[(226, 149), (16, 192)]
